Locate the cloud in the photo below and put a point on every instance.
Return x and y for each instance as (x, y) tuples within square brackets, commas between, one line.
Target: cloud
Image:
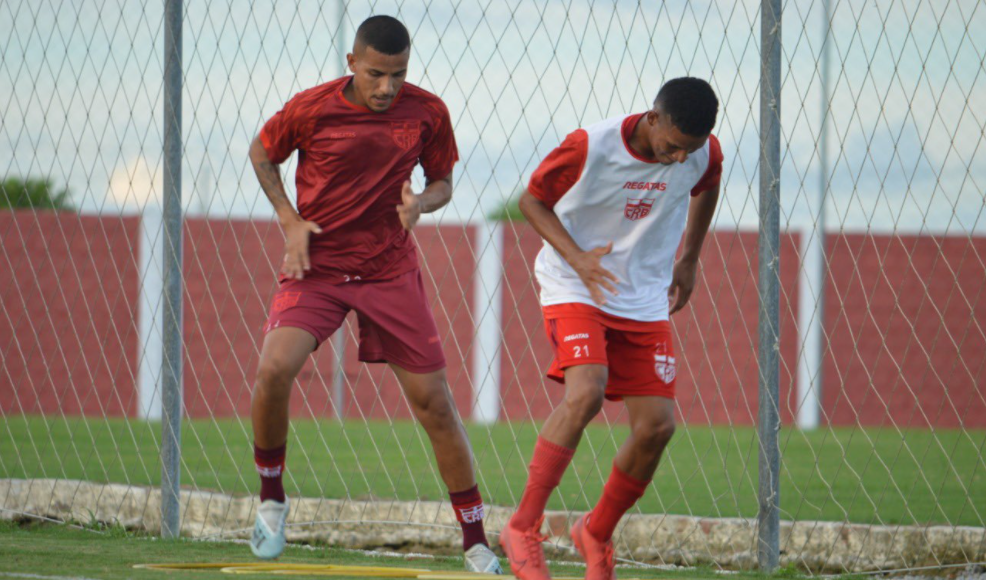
[(137, 186)]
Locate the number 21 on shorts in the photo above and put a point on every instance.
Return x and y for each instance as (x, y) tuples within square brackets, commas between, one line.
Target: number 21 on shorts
[(581, 351)]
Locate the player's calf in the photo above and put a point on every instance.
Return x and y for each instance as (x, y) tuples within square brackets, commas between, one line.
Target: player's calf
[(433, 407)]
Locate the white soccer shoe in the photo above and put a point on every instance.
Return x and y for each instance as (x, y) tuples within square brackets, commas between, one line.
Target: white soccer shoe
[(480, 558), (268, 540)]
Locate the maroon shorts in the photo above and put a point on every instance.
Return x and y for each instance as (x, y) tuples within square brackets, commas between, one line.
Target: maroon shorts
[(395, 320)]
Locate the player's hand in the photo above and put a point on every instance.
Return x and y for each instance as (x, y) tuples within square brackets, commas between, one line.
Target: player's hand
[(682, 284), (588, 265), (296, 261), (410, 208)]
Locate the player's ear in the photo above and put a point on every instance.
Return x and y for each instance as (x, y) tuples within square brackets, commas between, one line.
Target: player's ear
[(351, 62), (653, 117)]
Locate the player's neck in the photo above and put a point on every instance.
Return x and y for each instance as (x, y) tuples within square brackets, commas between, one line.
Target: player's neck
[(349, 93), (639, 142)]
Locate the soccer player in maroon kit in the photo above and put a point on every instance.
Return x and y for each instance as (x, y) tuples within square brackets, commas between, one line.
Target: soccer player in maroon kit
[(348, 247)]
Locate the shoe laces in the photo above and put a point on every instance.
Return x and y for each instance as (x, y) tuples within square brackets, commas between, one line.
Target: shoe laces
[(532, 543), (606, 558)]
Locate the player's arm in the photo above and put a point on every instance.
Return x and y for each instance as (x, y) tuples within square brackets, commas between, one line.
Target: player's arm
[(435, 196), (296, 229), (701, 210), (587, 264)]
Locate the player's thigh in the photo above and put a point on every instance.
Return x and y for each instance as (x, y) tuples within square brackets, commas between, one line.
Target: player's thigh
[(283, 353), (396, 325)]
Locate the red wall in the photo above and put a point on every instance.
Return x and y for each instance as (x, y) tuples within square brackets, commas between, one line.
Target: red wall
[(903, 319), (68, 326), (907, 326)]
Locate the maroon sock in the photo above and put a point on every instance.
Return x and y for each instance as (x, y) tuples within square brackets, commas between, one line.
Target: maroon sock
[(468, 506), (270, 466)]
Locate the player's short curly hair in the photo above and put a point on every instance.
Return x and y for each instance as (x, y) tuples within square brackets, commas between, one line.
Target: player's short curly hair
[(384, 34), (691, 103)]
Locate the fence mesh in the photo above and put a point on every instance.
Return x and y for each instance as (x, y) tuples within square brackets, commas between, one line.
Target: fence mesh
[(882, 269)]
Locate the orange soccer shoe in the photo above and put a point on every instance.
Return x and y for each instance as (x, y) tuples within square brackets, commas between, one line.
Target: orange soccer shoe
[(524, 551), (598, 555)]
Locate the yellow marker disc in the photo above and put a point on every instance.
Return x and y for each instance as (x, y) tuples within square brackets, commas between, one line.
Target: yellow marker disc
[(289, 569), (197, 565), (327, 570)]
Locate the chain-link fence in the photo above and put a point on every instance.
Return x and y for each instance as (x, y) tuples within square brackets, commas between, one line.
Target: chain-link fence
[(876, 173)]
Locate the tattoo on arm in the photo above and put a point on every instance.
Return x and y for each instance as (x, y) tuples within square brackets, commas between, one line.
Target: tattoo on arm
[(437, 194), (270, 180)]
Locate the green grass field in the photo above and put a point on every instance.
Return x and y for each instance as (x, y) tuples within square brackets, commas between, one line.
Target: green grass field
[(865, 476), (53, 552)]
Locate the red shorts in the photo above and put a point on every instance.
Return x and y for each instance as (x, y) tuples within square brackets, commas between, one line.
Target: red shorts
[(639, 355), (395, 321)]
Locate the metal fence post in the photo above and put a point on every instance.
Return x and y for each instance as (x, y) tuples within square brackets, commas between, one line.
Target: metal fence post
[(171, 374), (768, 540)]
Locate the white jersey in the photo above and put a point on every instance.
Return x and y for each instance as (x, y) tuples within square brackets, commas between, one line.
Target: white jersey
[(640, 206)]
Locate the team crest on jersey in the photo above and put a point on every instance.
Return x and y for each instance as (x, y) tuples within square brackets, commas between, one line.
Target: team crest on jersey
[(637, 208), (406, 133), (286, 300)]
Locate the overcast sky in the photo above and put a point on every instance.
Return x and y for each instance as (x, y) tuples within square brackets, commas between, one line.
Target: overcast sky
[(80, 86)]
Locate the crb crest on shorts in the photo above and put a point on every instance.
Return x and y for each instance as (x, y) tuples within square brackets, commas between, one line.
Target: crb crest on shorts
[(664, 367)]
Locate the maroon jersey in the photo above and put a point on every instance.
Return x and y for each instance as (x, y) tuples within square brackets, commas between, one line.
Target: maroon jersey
[(352, 163)]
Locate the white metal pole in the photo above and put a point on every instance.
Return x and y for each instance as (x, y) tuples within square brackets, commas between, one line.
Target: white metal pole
[(151, 311), (488, 314), (811, 279)]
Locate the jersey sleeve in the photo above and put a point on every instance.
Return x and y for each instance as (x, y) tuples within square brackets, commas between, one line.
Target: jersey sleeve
[(440, 152), (713, 173), (560, 170), (290, 127)]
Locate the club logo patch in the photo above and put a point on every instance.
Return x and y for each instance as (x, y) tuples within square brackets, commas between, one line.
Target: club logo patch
[(664, 367), (471, 515), (285, 300), (406, 133), (637, 208)]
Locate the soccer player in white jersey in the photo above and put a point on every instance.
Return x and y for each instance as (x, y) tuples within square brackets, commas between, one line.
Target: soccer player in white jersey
[(611, 203)]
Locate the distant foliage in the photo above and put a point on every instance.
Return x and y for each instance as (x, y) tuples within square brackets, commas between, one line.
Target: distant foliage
[(508, 211), (33, 193)]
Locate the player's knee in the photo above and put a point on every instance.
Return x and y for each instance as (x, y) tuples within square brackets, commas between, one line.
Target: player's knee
[(654, 434), (274, 377), (435, 410), (584, 402)]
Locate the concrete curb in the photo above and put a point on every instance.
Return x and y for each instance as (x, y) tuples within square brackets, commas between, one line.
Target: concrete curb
[(651, 538)]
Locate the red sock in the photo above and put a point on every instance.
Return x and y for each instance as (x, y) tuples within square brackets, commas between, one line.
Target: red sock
[(468, 506), (619, 495), (270, 466), (544, 474)]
